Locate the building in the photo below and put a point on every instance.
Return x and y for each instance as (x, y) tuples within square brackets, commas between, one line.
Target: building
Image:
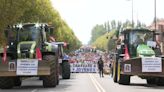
[(160, 29)]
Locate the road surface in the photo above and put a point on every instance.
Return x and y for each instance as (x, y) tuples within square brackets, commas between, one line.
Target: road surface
[(85, 82)]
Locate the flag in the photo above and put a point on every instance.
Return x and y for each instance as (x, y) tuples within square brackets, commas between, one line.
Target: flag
[(126, 57)]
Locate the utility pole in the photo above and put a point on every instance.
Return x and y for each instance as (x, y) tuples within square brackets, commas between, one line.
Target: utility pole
[(132, 12), (132, 16), (155, 16)]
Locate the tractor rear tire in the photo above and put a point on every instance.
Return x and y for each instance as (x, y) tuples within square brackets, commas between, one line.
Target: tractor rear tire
[(151, 81), (160, 81), (17, 81), (6, 82), (50, 80), (66, 72)]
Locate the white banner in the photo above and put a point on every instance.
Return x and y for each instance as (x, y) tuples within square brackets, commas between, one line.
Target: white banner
[(27, 67), (151, 64), (83, 67)]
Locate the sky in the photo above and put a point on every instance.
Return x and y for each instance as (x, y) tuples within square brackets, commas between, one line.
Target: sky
[(83, 15)]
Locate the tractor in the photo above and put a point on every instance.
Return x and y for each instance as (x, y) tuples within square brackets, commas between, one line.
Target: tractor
[(28, 53), (138, 54)]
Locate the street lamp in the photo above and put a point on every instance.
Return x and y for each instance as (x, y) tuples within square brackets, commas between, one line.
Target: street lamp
[(132, 13)]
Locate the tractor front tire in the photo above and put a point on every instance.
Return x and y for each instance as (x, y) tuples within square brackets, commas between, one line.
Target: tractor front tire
[(6, 82), (66, 72), (115, 72), (50, 80), (151, 81), (122, 79)]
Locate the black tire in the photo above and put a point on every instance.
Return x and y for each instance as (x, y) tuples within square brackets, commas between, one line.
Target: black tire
[(160, 82), (50, 80), (6, 82), (40, 78), (122, 79), (66, 72), (151, 81), (115, 72), (57, 73), (17, 81)]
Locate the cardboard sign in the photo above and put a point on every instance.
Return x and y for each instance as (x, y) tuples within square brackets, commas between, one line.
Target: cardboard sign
[(127, 67), (11, 66), (27, 67), (151, 64)]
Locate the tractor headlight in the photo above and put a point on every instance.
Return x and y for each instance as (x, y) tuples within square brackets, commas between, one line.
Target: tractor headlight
[(18, 51), (32, 51)]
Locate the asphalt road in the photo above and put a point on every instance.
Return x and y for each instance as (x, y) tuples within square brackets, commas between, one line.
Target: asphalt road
[(85, 82)]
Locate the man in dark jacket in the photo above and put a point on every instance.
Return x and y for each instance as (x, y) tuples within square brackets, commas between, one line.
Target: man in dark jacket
[(100, 66)]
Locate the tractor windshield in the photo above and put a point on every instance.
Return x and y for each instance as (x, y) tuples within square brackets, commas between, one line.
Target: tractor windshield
[(140, 37), (137, 37), (29, 33)]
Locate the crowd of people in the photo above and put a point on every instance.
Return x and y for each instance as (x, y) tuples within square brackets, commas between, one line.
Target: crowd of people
[(90, 62)]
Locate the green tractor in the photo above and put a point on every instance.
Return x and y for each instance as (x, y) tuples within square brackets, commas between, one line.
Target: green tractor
[(29, 54), (138, 54), (64, 65)]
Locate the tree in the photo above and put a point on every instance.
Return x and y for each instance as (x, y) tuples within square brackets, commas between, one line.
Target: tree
[(115, 28), (97, 31), (42, 11)]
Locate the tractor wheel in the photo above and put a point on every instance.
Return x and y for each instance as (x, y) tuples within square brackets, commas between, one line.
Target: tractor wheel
[(121, 78), (57, 73), (6, 82), (160, 82), (151, 81), (115, 72), (40, 78), (17, 81), (66, 70), (50, 80)]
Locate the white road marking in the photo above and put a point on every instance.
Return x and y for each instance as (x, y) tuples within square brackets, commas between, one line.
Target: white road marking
[(98, 84), (97, 88), (35, 90)]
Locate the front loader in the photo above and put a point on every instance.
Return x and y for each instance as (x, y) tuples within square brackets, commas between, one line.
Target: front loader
[(28, 54), (138, 54)]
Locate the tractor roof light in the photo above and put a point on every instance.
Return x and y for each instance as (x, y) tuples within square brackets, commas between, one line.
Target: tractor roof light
[(19, 25), (37, 25)]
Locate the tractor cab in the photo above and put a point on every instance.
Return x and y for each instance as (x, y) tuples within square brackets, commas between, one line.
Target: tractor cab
[(24, 39), (139, 42)]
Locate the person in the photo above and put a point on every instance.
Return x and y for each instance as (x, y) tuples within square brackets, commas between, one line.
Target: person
[(139, 40), (100, 66), (51, 39)]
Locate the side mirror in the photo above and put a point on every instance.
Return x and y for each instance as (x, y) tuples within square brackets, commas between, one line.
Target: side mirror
[(46, 28), (66, 45), (6, 33), (51, 30), (121, 55)]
